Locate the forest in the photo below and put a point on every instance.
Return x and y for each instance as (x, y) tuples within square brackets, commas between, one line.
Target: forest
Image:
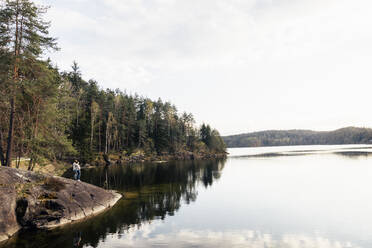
[(349, 135), (48, 114)]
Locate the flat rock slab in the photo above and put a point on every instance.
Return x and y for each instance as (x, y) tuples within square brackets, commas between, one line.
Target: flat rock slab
[(31, 200)]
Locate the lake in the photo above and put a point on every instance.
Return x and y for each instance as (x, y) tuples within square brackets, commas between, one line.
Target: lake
[(272, 197)]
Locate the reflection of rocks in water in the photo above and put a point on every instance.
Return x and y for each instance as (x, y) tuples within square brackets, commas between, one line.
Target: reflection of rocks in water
[(77, 239), (152, 191)]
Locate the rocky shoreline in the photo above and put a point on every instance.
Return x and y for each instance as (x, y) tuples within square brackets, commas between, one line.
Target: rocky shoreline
[(32, 200)]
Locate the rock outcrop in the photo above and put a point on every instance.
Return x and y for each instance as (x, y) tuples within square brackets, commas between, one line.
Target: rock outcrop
[(31, 200)]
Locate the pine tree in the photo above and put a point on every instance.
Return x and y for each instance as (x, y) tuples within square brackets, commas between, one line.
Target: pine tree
[(23, 39)]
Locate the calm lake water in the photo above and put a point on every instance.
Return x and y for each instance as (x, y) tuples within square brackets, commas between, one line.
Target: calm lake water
[(275, 197)]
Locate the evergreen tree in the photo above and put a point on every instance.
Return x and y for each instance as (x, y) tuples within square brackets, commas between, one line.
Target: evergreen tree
[(48, 114), (23, 38)]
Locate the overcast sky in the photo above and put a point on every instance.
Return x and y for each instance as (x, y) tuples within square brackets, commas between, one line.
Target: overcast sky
[(240, 65)]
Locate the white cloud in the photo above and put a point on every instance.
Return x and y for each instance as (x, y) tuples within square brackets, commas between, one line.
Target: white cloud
[(281, 60)]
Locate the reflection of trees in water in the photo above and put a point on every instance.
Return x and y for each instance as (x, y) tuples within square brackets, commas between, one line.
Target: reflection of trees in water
[(354, 154), (160, 187), (154, 191), (124, 178)]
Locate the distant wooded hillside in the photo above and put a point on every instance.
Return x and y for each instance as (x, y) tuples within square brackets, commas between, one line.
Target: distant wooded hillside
[(349, 135)]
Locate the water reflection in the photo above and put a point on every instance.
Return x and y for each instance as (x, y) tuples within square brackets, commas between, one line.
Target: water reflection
[(321, 200), (355, 155), (146, 237), (152, 191), (277, 151), (77, 239), (347, 154), (136, 176)]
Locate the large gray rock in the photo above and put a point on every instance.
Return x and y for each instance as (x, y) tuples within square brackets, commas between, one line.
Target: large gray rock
[(34, 200)]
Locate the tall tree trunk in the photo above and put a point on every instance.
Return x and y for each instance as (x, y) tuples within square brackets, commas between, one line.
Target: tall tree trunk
[(99, 137), (2, 157), (11, 132), (13, 97), (128, 134), (20, 151), (37, 118), (18, 160), (106, 140), (77, 108), (122, 139), (91, 128), (30, 164)]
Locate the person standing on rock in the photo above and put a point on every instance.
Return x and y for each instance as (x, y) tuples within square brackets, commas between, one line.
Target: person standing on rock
[(77, 170)]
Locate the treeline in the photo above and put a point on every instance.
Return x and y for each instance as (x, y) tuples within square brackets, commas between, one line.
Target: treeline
[(349, 135), (47, 114), (107, 121)]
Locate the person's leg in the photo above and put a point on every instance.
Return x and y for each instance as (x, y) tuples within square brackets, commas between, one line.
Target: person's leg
[(79, 174), (75, 175)]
